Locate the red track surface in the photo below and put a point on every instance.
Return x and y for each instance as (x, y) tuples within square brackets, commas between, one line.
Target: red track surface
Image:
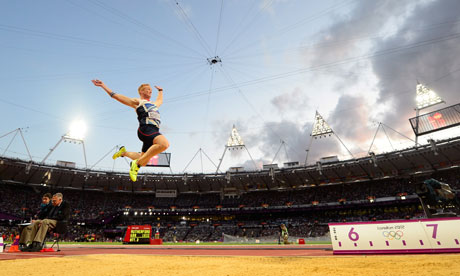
[(236, 250)]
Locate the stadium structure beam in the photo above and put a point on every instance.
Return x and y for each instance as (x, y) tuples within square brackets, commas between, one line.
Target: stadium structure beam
[(265, 183), (200, 151), (16, 131), (31, 175), (105, 155), (56, 184), (383, 124), (285, 150), (334, 170), (315, 181), (428, 161), (17, 172), (407, 159), (350, 172), (297, 176), (71, 179), (457, 148), (4, 169), (366, 172), (439, 152), (68, 138), (393, 165), (375, 135), (287, 179)]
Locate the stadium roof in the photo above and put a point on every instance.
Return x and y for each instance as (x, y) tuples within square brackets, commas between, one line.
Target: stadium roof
[(438, 155)]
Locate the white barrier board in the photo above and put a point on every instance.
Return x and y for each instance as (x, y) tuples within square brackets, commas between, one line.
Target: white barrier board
[(397, 236)]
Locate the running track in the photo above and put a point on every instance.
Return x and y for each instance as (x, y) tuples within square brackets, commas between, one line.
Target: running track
[(180, 250)]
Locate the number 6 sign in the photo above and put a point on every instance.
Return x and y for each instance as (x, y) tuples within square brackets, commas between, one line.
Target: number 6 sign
[(353, 235)]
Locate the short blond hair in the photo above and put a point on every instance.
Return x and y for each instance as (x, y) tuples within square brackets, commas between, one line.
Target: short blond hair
[(142, 85)]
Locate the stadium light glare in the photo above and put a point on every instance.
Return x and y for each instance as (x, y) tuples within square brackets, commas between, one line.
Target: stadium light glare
[(234, 140), (77, 130), (426, 97)]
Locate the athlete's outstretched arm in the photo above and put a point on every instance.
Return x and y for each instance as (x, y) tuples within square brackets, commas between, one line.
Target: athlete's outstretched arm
[(159, 100), (132, 102)]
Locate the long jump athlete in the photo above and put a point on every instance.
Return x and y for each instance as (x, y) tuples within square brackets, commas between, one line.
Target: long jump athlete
[(149, 125)]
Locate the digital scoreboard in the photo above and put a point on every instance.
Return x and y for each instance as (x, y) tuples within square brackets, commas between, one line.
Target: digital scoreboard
[(139, 234), (161, 160), (436, 120)]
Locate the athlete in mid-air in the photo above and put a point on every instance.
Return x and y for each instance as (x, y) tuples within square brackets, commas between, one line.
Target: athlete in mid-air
[(149, 125)]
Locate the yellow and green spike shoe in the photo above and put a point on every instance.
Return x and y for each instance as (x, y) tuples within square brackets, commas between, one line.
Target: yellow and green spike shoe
[(133, 171), (119, 153)]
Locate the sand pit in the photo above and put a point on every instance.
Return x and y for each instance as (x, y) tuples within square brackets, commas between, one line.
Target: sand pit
[(205, 265)]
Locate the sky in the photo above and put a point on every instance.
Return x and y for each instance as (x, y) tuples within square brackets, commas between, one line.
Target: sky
[(356, 62)]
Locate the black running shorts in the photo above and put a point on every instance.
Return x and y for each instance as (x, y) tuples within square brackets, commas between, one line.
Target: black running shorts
[(146, 134)]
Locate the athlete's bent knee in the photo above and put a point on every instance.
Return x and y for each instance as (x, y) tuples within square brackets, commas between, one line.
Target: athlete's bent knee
[(164, 145)]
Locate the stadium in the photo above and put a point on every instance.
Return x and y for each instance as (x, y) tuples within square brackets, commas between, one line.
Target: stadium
[(322, 206)]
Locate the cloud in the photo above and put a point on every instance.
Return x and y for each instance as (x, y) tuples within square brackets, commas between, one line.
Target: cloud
[(378, 88), (432, 64), (294, 100), (352, 123), (377, 27), (268, 141), (348, 35)]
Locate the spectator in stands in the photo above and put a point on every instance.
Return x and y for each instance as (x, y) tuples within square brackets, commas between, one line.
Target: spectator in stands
[(57, 217), (45, 208)]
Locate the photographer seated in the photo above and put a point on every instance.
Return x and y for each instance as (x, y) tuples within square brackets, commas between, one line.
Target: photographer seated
[(45, 208), (57, 218)]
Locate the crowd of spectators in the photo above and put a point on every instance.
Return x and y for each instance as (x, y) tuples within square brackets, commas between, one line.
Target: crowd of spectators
[(310, 225), (23, 200)]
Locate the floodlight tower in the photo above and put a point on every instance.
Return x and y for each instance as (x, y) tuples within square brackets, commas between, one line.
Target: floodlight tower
[(75, 135), (424, 98), (322, 129), (234, 143)]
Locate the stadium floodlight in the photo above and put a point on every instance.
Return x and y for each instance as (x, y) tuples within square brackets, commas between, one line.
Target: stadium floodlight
[(235, 139), (235, 142), (320, 127), (77, 130), (426, 97)]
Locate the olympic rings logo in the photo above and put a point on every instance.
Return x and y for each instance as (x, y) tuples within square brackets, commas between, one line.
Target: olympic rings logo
[(393, 235)]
